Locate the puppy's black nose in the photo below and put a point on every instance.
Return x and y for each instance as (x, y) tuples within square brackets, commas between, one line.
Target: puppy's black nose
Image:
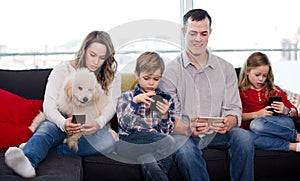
[(85, 99)]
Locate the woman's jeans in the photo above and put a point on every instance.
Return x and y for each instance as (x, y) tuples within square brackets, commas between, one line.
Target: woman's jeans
[(273, 132), (237, 141), (153, 151), (48, 138)]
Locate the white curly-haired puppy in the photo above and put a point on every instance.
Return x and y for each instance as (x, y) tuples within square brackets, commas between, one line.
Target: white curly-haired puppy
[(81, 94)]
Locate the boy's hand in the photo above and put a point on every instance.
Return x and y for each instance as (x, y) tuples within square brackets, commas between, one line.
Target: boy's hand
[(163, 108), (145, 98)]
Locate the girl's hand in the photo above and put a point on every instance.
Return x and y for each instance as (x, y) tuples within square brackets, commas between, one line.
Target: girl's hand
[(163, 108), (278, 107), (90, 127), (145, 98), (70, 127), (263, 112)]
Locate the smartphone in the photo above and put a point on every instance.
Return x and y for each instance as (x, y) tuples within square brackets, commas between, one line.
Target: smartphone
[(78, 118), (158, 97), (272, 99)]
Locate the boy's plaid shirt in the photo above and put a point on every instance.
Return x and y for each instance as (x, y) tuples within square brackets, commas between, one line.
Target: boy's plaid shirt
[(136, 117)]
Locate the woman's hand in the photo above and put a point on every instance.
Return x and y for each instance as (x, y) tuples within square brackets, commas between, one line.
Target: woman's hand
[(71, 128), (90, 127)]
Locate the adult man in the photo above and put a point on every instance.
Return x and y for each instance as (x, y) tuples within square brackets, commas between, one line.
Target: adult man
[(203, 84)]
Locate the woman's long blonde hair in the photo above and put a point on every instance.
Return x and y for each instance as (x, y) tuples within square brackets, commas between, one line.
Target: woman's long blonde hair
[(257, 59), (106, 73)]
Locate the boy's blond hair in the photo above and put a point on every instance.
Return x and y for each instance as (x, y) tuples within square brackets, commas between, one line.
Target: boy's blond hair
[(149, 62)]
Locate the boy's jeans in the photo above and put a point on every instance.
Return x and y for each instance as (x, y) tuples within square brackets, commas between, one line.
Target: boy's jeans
[(152, 150)]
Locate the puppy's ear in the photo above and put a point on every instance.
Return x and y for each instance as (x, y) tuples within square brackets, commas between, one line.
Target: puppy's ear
[(95, 95), (69, 89)]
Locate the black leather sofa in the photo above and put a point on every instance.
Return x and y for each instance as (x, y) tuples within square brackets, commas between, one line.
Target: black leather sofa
[(269, 165)]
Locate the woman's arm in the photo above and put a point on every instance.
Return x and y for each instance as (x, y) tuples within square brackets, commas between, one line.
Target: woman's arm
[(53, 88)]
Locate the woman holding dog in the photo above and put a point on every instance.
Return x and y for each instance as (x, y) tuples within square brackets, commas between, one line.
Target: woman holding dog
[(97, 54)]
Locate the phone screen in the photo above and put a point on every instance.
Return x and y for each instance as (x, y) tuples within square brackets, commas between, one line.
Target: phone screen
[(157, 97), (271, 100), (78, 118), (274, 98)]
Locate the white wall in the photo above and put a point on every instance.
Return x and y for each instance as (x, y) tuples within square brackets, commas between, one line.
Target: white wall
[(287, 75)]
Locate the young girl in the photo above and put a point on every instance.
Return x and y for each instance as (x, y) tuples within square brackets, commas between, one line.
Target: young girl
[(271, 125), (97, 54)]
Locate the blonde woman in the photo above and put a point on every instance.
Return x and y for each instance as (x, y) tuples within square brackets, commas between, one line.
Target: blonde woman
[(97, 54)]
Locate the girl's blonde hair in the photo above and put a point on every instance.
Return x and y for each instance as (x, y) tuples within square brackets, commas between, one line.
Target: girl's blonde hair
[(106, 73), (257, 59), (149, 62)]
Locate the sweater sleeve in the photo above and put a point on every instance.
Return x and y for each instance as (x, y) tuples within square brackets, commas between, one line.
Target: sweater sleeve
[(53, 87)]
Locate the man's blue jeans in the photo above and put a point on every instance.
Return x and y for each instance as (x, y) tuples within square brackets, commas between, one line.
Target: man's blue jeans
[(49, 138), (152, 150), (240, 148), (273, 132)]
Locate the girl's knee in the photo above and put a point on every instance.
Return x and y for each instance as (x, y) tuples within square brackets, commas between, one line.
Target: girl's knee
[(256, 126)]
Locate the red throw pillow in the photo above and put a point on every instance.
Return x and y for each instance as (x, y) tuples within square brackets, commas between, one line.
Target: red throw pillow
[(16, 114), (13, 135)]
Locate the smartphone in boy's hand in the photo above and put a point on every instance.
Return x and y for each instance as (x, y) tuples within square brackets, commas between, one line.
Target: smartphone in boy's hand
[(157, 97)]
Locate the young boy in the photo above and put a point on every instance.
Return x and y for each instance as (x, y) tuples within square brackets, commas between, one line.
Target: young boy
[(145, 122)]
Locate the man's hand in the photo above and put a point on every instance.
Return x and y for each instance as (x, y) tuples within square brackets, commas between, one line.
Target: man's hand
[(198, 127)]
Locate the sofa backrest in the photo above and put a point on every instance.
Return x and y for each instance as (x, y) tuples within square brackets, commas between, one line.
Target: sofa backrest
[(31, 83), (28, 83)]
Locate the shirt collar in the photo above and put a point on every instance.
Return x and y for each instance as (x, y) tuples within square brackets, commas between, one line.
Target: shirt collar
[(211, 62)]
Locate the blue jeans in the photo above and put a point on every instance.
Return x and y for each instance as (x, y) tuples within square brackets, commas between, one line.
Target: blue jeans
[(273, 132), (48, 138), (153, 151), (240, 148)]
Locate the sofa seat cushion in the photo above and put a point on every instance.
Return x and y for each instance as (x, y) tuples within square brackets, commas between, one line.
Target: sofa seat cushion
[(115, 167), (276, 165), (54, 167), (217, 164), (99, 166)]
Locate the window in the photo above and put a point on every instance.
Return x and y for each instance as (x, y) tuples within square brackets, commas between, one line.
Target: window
[(241, 27), (38, 34)]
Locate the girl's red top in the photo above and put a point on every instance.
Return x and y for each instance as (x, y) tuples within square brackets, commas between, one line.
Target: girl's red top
[(253, 100)]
